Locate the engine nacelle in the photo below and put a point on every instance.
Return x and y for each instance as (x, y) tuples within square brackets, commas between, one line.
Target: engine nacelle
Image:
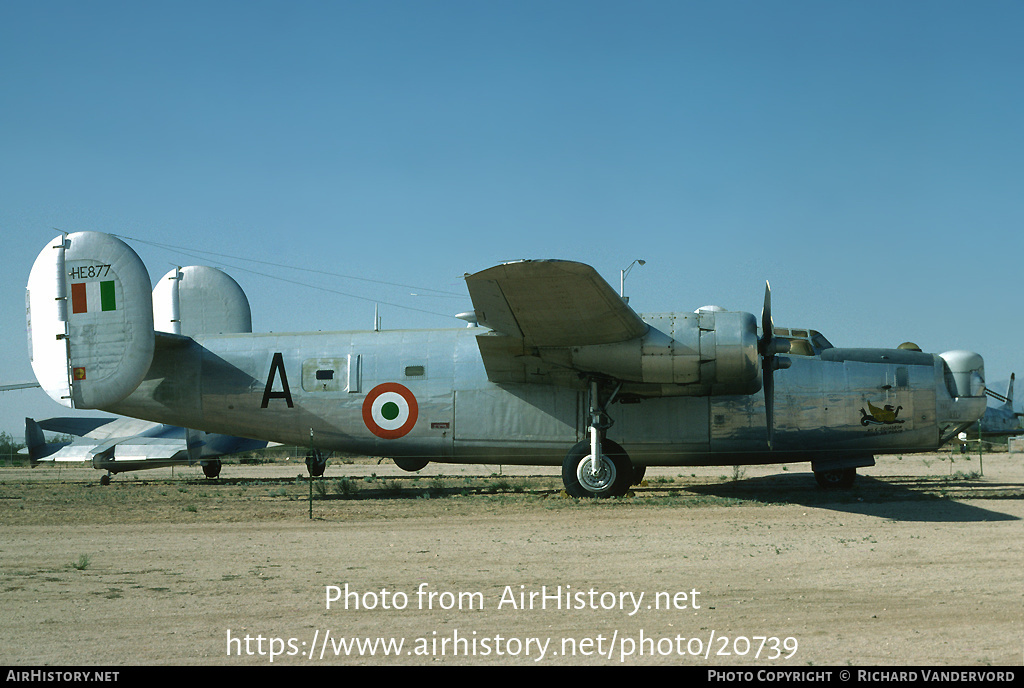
[(707, 352)]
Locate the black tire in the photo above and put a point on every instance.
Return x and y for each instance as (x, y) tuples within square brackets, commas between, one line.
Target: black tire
[(211, 469), (638, 473), (412, 465), (105, 479), (836, 479), (617, 474)]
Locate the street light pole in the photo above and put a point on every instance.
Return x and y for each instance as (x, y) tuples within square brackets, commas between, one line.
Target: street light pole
[(622, 278)]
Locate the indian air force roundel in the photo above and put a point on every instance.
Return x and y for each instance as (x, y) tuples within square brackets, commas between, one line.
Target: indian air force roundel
[(390, 410)]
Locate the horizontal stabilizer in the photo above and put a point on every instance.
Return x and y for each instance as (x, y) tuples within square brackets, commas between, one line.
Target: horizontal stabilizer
[(18, 385)]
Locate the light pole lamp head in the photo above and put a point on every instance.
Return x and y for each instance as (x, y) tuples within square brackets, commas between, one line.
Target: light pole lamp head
[(622, 277)]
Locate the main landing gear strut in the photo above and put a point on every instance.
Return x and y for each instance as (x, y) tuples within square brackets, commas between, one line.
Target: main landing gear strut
[(612, 473)]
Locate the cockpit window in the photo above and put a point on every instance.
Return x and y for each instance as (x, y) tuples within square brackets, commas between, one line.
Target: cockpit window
[(800, 347), (819, 342), (804, 342)]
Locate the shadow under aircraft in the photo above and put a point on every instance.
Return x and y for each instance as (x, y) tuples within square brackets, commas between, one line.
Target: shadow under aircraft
[(909, 498)]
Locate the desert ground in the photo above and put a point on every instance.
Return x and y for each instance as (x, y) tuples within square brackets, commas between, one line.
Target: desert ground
[(921, 563)]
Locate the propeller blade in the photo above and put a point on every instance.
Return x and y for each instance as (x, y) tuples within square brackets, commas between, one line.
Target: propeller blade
[(769, 400), (768, 378), (767, 327), (768, 346)]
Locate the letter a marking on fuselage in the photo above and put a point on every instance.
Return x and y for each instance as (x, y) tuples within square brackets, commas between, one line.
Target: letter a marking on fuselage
[(277, 366)]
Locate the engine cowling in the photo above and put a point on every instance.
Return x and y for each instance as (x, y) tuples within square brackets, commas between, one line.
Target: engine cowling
[(707, 352)]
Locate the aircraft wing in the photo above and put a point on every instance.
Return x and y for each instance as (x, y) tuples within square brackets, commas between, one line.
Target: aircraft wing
[(79, 427), (143, 448), (1002, 433), (71, 453), (552, 303), (545, 304), (123, 449)]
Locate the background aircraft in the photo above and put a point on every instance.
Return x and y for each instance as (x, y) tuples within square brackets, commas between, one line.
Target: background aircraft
[(563, 372), (1000, 421), (117, 445)]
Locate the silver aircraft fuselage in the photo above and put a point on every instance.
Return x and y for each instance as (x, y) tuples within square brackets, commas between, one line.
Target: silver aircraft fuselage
[(315, 388)]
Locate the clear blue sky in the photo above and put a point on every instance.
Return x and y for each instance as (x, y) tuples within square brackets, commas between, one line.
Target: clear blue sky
[(866, 157)]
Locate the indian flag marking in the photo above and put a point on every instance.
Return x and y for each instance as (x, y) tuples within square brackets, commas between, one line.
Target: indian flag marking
[(89, 297), (390, 410)]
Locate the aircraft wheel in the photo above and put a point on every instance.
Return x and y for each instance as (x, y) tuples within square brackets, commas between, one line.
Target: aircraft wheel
[(638, 474), (211, 469), (613, 480), (105, 479), (411, 465), (836, 479)]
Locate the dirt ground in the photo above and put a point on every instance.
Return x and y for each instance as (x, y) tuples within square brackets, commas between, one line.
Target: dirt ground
[(921, 563)]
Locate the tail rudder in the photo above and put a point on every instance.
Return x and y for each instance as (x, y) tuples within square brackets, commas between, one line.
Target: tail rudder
[(90, 320), (35, 442), (198, 300)]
